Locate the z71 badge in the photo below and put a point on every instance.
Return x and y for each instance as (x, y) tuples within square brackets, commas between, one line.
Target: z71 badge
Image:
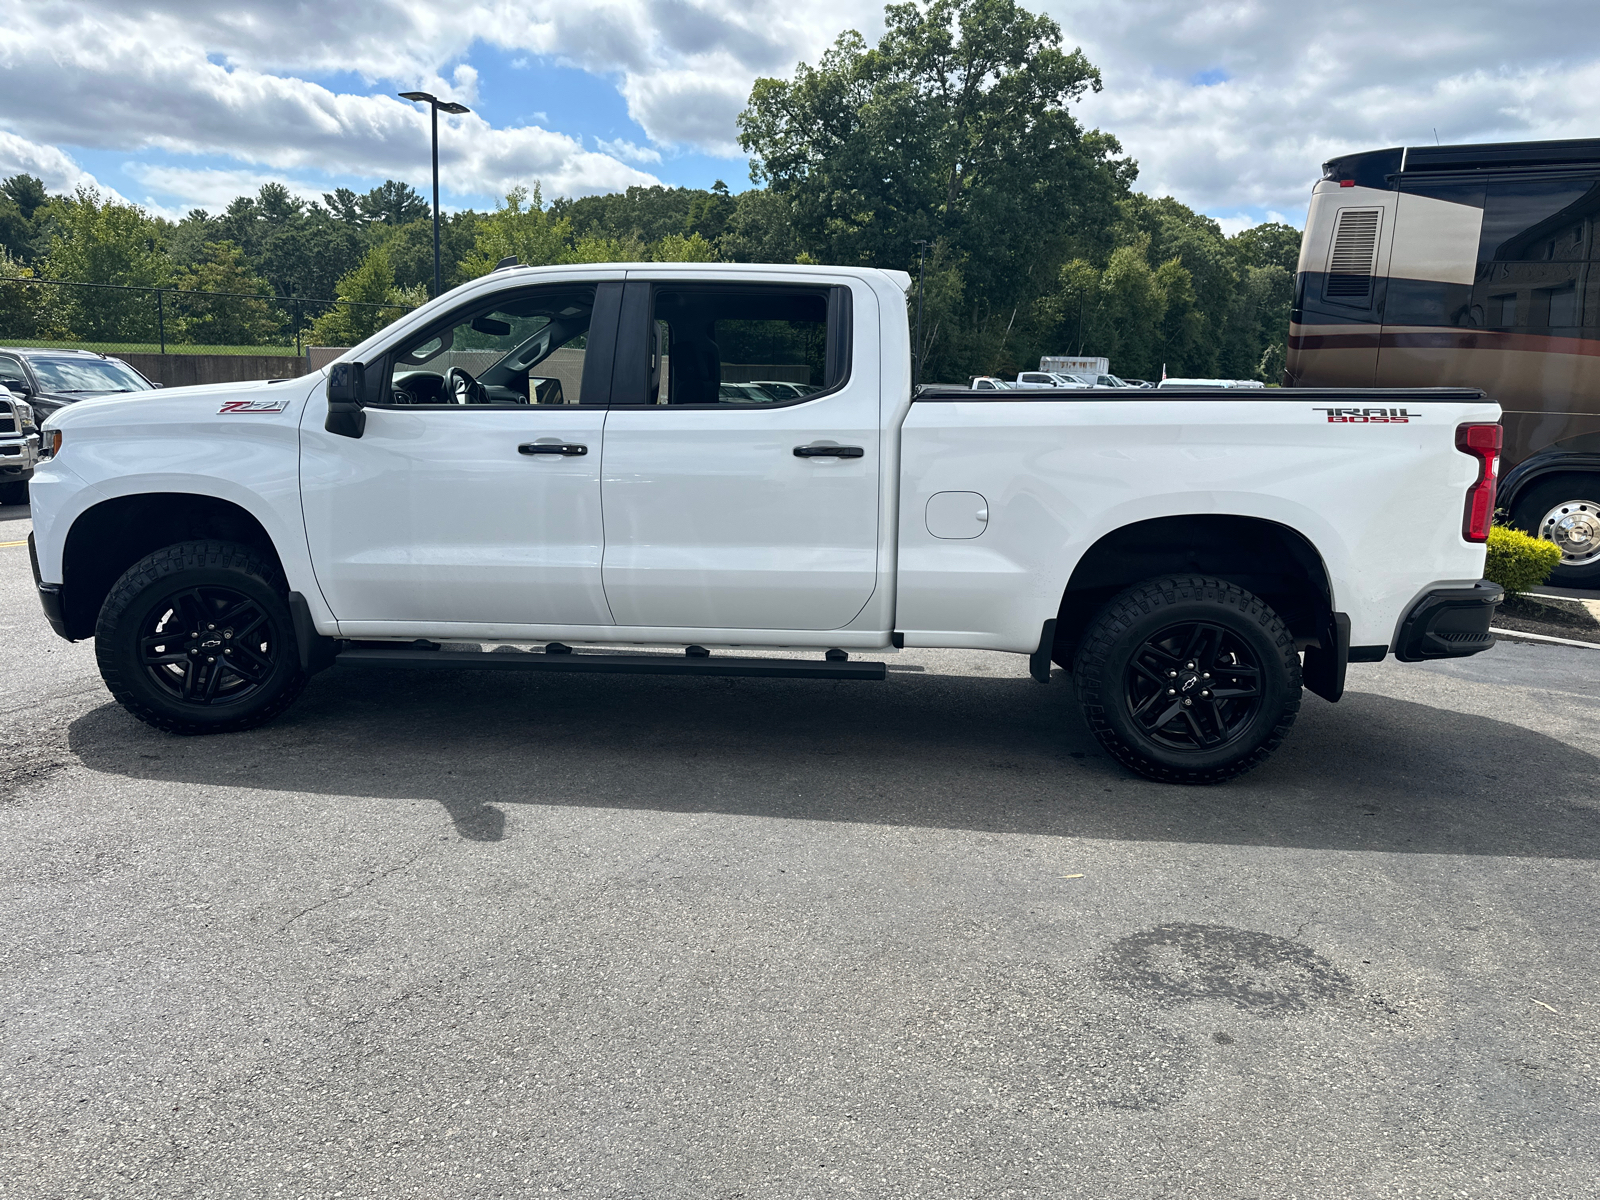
[(1368, 416), (254, 406)]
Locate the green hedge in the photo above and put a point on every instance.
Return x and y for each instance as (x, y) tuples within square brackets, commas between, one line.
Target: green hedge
[(1518, 562)]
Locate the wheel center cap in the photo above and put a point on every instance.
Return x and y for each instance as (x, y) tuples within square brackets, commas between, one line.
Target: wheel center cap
[(1577, 531), (1190, 682), (211, 642)]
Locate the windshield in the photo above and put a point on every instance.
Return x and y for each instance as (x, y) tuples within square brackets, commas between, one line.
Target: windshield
[(87, 375)]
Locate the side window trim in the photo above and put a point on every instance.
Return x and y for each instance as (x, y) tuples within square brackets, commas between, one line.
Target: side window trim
[(631, 375)]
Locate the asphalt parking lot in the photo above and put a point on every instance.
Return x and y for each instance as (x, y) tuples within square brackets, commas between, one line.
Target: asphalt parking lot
[(492, 936)]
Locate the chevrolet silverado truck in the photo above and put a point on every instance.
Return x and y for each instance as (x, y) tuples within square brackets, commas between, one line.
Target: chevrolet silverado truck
[(545, 470)]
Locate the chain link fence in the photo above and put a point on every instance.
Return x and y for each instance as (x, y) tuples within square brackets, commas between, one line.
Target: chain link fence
[(113, 318)]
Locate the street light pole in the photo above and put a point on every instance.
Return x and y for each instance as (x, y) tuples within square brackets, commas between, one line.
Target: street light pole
[(435, 105)]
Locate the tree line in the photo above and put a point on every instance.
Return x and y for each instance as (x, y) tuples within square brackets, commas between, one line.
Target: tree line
[(951, 145)]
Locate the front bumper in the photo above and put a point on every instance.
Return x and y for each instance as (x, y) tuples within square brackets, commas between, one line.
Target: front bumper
[(49, 595), (17, 458), (1449, 623)]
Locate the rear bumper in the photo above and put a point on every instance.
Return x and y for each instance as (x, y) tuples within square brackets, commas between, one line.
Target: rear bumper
[(1449, 623), (49, 595)]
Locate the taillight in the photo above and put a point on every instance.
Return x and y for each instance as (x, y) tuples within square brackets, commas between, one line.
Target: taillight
[(1483, 443)]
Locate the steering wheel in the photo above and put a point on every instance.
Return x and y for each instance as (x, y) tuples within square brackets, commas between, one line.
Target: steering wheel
[(463, 388)]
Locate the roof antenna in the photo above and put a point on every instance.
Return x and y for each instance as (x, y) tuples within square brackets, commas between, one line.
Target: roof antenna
[(510, 260), (1435, 135)]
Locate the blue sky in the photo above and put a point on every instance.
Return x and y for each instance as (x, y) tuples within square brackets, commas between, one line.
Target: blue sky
[(1229, 105), (514, 89)]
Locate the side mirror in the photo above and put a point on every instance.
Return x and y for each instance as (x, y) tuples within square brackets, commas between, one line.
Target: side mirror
[(346, 391)]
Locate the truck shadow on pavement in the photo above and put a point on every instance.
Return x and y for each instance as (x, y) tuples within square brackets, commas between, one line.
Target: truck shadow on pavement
[(960, 752)]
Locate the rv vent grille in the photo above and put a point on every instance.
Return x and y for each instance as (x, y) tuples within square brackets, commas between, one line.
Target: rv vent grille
[(1355, 247)]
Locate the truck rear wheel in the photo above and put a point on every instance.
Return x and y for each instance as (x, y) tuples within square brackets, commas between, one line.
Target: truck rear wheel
[(1188, 680), (197, 638), (1566, 511)]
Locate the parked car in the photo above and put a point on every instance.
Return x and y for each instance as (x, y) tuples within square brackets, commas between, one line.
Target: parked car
[(19, 447), (746, 393), (783, 389), (50, 379), (222, 544), (1049, 379), (989, 383)]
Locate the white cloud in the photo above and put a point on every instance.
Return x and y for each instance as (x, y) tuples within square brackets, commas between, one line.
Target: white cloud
[(1231, 105), (627, 151), (54, 167), (126, 84), (210, 188), (1301, 83)]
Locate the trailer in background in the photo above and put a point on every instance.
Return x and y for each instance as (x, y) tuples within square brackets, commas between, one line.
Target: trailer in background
[(1076, 366), (1475, 266)]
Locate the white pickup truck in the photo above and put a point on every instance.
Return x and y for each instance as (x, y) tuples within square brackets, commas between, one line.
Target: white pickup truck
[(560, 456)]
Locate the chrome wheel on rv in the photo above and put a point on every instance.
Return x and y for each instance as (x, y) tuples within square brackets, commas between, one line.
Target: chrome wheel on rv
[(1566, 511), (1187, 679)]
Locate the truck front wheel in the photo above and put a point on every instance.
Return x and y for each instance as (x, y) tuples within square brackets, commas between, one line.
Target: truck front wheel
[(1188, 680), (197, 638)]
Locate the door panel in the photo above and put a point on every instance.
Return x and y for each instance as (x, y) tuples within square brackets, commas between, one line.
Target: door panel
[(712, 520), (436, 516)]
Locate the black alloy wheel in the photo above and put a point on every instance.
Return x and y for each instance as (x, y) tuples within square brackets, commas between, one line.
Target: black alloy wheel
[(1193, 686), (211, 646), (1187, 679), (197, 638)]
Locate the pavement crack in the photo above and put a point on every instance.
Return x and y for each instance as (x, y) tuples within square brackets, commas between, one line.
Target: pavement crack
[(345, 894)]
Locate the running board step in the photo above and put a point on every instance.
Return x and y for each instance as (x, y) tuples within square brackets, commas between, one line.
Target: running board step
[(610, 664)]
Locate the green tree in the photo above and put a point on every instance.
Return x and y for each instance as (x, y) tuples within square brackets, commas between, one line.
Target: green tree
[(393, 203), (238, 309), (521, 227), (368, 300), (25, 218), (758, 229), (28, 312), (956, 126), (102, 242), (1272, 244), (677, 248), (411, 248), (709, 213)]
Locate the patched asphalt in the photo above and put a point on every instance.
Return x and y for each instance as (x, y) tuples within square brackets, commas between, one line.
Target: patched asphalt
[(482, 935)]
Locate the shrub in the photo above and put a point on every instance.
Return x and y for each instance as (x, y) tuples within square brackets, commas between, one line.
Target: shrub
[(1518, 562)]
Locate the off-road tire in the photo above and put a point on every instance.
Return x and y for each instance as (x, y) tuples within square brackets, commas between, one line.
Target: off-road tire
[(216, 568), (1104, 660)]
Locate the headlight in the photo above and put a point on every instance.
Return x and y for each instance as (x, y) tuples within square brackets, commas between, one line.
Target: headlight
[(25, 411)]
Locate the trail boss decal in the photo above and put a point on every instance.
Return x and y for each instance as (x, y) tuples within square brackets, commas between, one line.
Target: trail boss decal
[(254, 406), (1368, 416)]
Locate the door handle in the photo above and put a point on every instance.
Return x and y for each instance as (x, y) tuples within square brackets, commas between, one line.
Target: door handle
[(829, 452), (569, 449)]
